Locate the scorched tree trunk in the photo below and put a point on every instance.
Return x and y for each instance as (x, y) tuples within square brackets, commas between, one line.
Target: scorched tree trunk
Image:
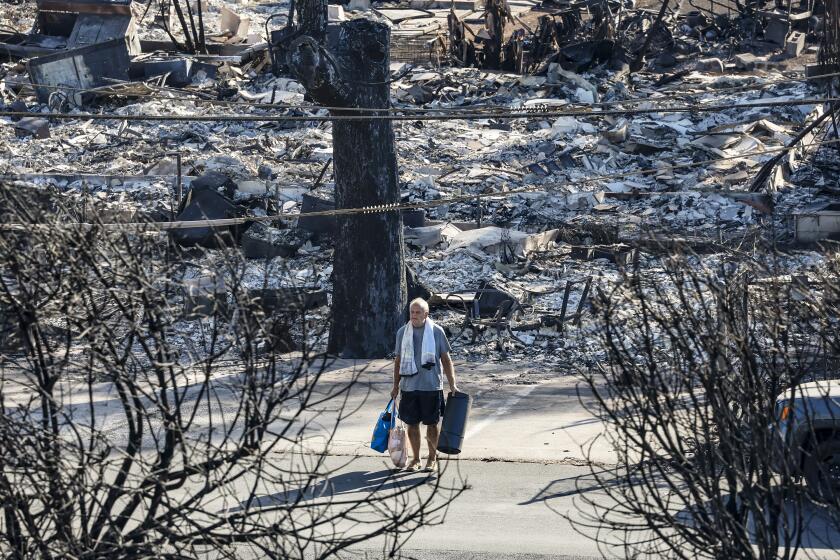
[(369, 288)]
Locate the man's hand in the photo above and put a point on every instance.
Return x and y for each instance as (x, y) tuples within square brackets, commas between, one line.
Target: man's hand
[(395, 391), (449, 370)]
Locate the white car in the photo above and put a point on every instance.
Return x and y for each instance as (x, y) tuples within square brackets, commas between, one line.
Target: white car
[(809, 435)]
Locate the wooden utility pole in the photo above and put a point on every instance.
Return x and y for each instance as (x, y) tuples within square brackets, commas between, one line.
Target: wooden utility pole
[(348, 67)]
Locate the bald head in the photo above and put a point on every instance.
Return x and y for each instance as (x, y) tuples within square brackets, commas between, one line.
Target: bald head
[(418, 310)]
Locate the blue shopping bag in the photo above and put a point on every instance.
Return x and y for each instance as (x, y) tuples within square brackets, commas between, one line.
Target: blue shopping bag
[(379, 441)]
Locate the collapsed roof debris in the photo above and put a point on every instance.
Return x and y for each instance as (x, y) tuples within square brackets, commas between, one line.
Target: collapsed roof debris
[(644, 157)]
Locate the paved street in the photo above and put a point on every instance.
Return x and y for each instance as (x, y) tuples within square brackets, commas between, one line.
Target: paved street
[(524, 465), (523, 454), (515, 416), (511, 510), (516, 510), (524, 461)]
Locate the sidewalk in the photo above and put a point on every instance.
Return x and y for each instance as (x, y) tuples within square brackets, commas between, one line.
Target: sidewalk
[(512, 418)]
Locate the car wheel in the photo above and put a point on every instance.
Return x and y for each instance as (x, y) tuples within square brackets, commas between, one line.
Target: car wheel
[(822, 470)]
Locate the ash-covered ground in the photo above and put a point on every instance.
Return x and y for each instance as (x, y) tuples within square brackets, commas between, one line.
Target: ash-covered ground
[(654, 161)]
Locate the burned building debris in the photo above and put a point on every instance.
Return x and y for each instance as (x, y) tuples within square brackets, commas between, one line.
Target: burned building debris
[(581, 34), (76, 47), (544, 148)]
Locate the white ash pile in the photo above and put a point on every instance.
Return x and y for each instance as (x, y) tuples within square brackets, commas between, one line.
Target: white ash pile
[(635, 156)]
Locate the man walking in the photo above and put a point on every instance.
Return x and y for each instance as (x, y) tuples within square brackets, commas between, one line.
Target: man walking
[(422, 354)]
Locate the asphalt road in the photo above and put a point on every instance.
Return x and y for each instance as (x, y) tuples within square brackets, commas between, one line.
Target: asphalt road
[(510, 510), (529, 440), (523, 467), (515, 510), (523, 464)]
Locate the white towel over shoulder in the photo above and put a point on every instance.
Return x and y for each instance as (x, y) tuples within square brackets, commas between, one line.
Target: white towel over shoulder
[(407, 365)]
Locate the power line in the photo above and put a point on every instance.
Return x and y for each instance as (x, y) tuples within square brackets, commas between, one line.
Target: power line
[(507, 114), (166, 226)]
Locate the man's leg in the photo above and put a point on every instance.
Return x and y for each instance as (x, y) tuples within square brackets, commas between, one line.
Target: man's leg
[(414, 440), (410, 414), (432, 434), (432, 405)]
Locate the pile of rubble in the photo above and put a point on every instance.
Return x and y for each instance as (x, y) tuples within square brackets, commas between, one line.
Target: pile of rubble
[(642, 161)]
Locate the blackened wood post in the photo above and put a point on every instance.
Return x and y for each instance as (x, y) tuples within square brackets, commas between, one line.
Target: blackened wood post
[(639, 62), (369, 289), (496, 13)]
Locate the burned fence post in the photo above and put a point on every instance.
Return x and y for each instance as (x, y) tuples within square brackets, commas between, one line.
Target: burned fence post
[(352, 70), (190, 45), (461, 48), (201, 39), (639, 61), (582, 301), (496, 14)]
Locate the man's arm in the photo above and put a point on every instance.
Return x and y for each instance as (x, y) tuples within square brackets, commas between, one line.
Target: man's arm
[(395, 390), (449, 371)]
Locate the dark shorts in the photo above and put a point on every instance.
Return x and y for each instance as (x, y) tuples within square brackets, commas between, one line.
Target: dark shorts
[(421, 406)]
